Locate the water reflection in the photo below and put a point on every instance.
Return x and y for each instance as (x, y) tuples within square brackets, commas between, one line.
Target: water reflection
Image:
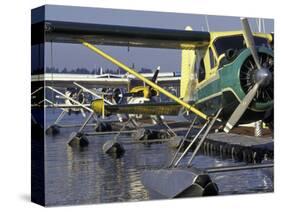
[(86, 175)]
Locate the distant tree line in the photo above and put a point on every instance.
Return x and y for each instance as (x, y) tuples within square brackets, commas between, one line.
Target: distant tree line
[(96, 71)]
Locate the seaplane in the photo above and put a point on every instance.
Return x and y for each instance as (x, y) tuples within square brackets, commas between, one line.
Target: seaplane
[(227, 79), (72, 95)]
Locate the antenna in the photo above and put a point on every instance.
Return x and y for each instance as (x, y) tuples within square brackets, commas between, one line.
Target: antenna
[(207, 23), (263, 25), (258, 22)]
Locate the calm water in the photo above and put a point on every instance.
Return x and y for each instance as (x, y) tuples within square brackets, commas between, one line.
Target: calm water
[(87, 175)]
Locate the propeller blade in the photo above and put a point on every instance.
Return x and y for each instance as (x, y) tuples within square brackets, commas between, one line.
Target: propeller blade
[(154, 78), (239, 111), (249, 39)]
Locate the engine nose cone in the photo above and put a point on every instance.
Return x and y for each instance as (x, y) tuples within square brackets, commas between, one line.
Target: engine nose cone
[(263, 75)]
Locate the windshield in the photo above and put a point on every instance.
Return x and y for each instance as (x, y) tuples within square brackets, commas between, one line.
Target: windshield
[(236, 42)]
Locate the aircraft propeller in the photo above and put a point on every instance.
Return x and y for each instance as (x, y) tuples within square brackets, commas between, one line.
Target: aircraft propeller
[(118, 93), (77, 95), (263, 77)]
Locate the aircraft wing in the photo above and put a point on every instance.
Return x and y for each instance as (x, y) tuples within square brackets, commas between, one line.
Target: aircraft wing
[(162, 108), (66, 80), (62, 80), (102, 34)]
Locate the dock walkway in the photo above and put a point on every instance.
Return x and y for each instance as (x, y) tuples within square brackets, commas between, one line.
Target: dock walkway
[(241, 147)]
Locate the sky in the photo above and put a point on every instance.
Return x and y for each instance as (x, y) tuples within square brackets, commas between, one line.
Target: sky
[(72, 56)]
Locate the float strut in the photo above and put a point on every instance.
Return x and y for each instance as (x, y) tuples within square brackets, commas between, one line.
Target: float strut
[(204, 137), (192, 142), (183, 140)]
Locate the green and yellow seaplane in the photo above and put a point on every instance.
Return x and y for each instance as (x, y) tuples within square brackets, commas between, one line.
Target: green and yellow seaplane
[(232, 70), (226, 77), (229, 70)]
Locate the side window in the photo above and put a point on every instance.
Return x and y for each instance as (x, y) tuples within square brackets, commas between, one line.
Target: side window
[(202, 71), (212, 58)]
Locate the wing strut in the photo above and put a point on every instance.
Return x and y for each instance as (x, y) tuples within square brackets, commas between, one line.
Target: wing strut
[(147, 81)]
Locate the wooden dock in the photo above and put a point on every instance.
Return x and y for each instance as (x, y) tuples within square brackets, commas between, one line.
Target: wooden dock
[(241, 147)]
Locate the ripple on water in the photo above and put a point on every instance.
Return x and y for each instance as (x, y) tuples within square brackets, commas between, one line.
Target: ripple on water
[(86, 175)]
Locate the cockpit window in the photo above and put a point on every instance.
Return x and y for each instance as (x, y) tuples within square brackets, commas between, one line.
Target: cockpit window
[(201, 71), (212, 58), (236, 42)]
